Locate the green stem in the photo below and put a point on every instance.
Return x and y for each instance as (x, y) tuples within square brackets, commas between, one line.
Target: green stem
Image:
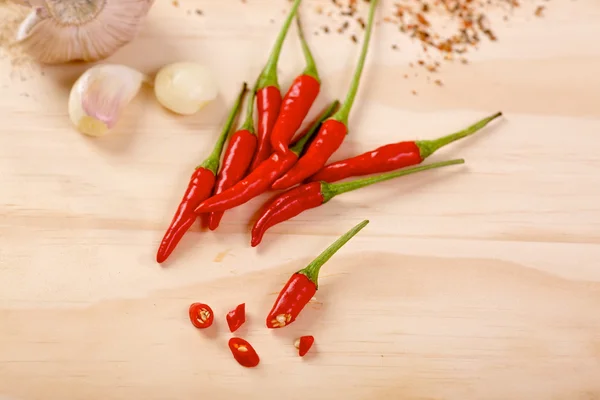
[(428, 147), (298, 147), (268, 76), (249, 121), (213, 160), (312, 269), (344, 112), (330, 190), (311, 66)]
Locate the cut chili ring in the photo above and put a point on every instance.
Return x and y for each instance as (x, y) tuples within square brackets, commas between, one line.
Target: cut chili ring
[(201, 315)]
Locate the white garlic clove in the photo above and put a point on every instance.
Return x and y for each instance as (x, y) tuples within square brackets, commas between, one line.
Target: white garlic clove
[(99, 96), (80, 30), (185, 87)]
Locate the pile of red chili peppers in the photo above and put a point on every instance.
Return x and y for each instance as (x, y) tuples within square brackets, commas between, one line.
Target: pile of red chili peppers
[(274, 155)]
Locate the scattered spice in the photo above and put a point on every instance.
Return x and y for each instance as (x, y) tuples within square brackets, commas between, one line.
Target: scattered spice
[(539, 12), (12, 15)]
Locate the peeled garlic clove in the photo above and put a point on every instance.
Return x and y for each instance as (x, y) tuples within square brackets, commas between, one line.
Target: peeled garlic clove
[(59, 31), (185, 87), (99, 96)]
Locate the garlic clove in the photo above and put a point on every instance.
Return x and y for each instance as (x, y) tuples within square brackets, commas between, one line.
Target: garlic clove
[(99, 96), (86, 30), (185, 87)]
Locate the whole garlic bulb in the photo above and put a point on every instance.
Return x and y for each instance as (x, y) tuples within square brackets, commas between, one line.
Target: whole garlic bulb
[(100, 94), (185, 87), (59, 31)]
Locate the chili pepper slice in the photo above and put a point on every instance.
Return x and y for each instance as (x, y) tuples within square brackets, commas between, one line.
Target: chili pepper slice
[(243, 352), (311, 195), (237, 317), (259, 180), (298, 100), (393, 156), (268, 94), (201, 315), (236, 161), (334, 130), (303, 344), (199, 188), (302, 285)]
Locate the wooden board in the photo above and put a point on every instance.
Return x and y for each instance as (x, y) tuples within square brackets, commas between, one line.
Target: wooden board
[(476, 282)]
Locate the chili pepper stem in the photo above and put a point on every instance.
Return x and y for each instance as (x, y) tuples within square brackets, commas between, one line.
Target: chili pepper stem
[(312, 270), (299, 145), (344, 111), (330, 190), (311, 66), (249, 121), (428, 147), (212, 161), (268, 76)]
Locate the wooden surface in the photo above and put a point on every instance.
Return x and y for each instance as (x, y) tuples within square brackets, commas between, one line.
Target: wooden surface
[(480, 281)]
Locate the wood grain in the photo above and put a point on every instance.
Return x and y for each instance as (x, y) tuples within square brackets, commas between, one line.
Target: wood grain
[(473, 282)]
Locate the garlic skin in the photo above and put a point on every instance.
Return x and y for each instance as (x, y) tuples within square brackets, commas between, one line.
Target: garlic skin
[(99, 96), (60, 31), (185, 87)]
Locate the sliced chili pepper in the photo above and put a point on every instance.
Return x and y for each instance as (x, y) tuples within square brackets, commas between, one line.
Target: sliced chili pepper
[(393, 156), (259, 180), (313, 194), (303, 344), (268, 94), (302, 285), (236, 161), (199, 188), (201, 315), (334, 130), (297, 101), (237, 317), (243, 352)]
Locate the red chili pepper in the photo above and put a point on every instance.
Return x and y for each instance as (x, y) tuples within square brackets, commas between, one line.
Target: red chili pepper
[(304, 344), (314, 194), (243, 352), (393, 156), (199, 188), (201, 315), (237, 159), (334, 130), (302, 285), (237, 317), (259, 180), (297, 101), (268, 94)]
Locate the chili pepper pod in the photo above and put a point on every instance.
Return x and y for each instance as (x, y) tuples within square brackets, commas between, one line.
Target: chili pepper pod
[(302, 285), (236, 317), (199, 188), (236, 161), (303, 344), (311, 195), (259, 180), (243, 352), (268, 94), (393, 156), (334, 130), (297, 101)]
